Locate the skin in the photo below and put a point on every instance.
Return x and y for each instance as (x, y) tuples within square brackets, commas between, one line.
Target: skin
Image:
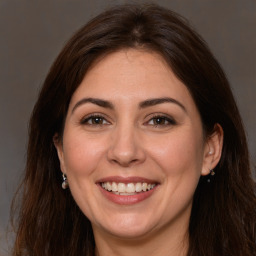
[(126, 140)]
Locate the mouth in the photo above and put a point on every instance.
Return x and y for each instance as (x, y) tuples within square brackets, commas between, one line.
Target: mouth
[(127, 189)]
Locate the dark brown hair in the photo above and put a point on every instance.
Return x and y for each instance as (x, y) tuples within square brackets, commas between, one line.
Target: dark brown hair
[(224, 211)]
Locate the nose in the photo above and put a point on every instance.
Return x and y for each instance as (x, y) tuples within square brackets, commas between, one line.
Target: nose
[(126, 147)]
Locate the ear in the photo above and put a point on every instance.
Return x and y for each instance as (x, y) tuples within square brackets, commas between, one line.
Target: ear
[(212, 150), (59, 147)]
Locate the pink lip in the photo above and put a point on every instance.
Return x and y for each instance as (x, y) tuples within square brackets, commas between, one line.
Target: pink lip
[(129, 199), (132, 179)]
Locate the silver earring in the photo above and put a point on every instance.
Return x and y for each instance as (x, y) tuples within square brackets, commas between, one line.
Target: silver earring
[(212, 173), (64, 182)]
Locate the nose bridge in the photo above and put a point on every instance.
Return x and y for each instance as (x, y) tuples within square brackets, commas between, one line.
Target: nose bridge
[(125, 146)]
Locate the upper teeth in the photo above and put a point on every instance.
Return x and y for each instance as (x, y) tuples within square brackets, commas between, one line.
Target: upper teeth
[(127, 188)]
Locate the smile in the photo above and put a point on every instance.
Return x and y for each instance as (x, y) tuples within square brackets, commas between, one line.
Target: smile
[(126, 189)]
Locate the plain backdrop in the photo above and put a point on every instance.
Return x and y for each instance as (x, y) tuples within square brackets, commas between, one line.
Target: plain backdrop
[(33, 32)]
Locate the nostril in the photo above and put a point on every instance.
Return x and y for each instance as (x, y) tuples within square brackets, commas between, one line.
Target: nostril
[(124, 163), (125, 150)]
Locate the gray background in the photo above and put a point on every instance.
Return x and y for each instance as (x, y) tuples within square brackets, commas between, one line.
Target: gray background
[(33, 32)]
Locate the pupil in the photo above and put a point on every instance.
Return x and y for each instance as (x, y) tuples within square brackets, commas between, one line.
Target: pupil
[(97, 120), (159, 120)]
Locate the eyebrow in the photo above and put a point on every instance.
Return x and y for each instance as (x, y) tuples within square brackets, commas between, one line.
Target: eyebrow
[(143, 104), (99, 102), (156, 101)]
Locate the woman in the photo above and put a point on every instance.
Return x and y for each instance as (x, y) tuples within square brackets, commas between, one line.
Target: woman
[(136, 146)]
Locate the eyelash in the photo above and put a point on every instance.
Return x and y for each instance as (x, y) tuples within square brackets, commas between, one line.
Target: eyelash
[(91, 118), (167, 120)]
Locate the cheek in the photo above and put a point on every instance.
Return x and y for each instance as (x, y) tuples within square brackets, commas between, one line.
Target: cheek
[(179, 153), (81, 158), (81, 155), (180, 159)]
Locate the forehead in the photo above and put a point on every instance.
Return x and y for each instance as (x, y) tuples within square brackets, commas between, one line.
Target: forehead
[(131, 74)]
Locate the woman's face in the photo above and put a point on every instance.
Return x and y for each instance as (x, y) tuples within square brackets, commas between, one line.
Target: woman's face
[(133, 147)]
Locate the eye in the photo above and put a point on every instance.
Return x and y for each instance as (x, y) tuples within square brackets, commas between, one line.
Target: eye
[(161, 121), (94, 120)]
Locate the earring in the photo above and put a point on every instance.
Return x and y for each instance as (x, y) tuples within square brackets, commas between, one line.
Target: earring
[(64, 182), (212, 173)]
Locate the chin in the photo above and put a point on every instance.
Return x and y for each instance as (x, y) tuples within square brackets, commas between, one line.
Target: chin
[(129, 232), (127, 227)]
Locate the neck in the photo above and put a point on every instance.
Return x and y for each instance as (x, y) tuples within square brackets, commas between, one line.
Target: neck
[(161, 242)]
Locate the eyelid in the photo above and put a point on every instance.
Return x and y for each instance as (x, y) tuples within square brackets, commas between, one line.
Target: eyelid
[(167, 117), (84, 119)]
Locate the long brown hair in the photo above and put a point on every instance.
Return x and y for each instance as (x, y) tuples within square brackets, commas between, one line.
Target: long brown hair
[(224, 211)]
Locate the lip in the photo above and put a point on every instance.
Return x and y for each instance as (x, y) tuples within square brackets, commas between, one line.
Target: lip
[(132, 179), (126, 199)]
